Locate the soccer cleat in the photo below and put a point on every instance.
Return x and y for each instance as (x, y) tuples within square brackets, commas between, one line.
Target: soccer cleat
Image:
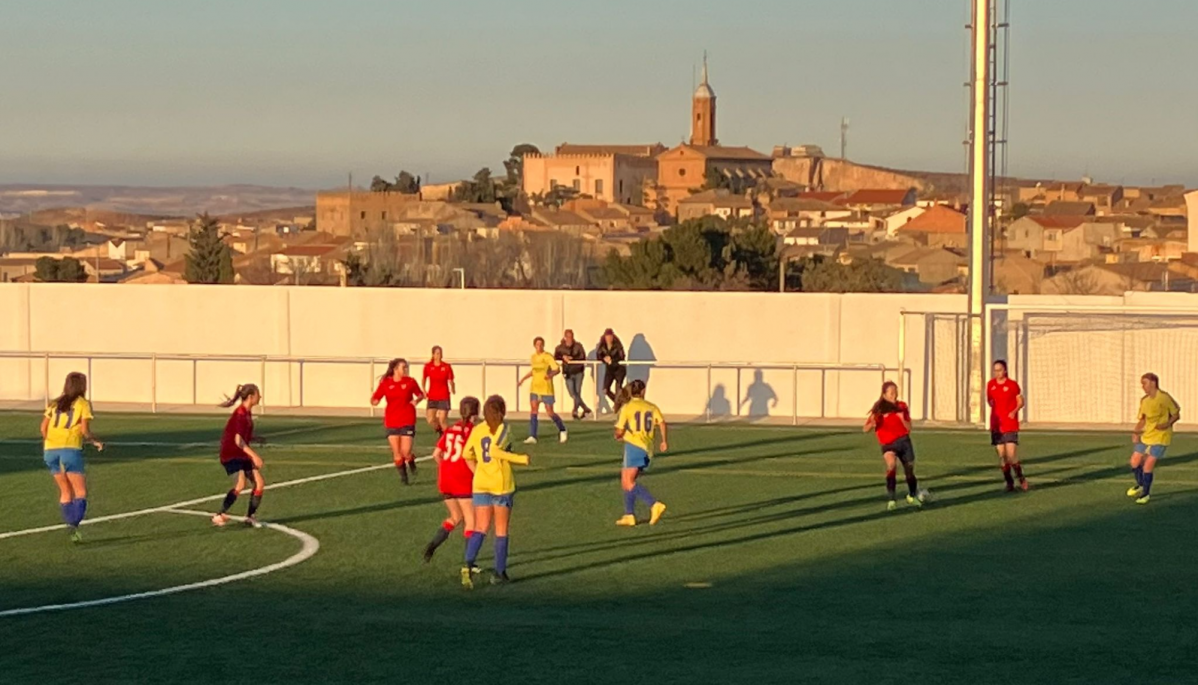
[(412, 466), (911, 499), (1010, 487), (251, 522), (655, 512), (1025, 485), (468, 577), (891, 505), (530, 440), (1135, 491), (500, 579), (77, 537), (403, 475), (1144, 499), (220, 519), (562, 437), (626, 520)]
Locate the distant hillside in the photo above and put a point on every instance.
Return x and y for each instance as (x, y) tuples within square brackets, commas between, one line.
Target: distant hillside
[(179, 201)]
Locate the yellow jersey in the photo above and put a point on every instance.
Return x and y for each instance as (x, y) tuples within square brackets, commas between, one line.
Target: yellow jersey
[(639, 419), (542, 364), (492, 461), (65, 431), (1154, 411)]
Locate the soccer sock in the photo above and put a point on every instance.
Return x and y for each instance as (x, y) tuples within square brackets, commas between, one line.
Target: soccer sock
[(501, 554), (1018, 467), (891, 482), (442, 534), (557, 421), (629, 502), (67, 512), (466, 533), (1147, 482), (642, 493), (473, 546), (230, 498), (912, 483), (1138, 472), (255, 500), (532, 425), (1006, 474), (80, 510)]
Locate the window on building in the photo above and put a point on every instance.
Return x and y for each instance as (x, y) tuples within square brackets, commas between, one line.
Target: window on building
[(682, 172), (383, 216), (577, 184), (363, 215), (578, 171), (621, 187), (553, 183), (598, 187)]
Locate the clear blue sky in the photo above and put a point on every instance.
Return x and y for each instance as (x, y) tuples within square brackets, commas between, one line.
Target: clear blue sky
[(301, 91)]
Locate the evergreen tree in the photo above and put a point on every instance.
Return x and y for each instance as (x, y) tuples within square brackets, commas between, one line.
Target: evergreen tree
[(210, 259)]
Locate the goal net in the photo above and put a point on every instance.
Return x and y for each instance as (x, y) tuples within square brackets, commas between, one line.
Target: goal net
[(1082, 367)]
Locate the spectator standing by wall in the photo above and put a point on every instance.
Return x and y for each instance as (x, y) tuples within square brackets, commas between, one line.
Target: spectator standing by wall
[(570, 354), (610, 353)]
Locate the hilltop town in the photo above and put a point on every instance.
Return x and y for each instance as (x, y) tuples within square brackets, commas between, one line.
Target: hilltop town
[(589, 215)]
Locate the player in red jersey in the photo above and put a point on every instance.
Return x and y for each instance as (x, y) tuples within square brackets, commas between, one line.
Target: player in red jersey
[(455, 477), (890, 420), (439, 386), (1005, 400), (236, 455), (402, 392)]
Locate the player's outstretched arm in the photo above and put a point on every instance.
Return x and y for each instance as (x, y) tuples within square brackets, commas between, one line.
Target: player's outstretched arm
[(665, 443), (512, 457)]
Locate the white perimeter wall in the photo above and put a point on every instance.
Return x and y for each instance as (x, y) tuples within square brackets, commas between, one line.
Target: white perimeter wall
[(756, 328), (746, 329)]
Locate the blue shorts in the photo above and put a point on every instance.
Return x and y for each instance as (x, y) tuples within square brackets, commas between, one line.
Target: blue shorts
[(1154, 451), (546, 400), (635, 457), (486, 499), (64, 460)]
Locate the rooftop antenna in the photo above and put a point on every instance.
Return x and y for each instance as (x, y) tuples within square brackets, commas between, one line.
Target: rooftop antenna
[(844, 137)]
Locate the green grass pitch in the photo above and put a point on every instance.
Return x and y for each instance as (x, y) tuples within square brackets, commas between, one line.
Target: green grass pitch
[(775, 563)]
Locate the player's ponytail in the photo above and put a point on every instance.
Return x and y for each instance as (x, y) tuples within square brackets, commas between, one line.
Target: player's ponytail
[(625, 395), (74, 388), (494, 410), (241, 394), (468, 408)]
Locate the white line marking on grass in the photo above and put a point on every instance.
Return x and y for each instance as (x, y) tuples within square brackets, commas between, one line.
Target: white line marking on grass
[(309, 547), (200, 500)]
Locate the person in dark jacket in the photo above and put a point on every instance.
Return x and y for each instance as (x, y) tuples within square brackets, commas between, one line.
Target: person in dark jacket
[(571, 355), (610, 354)]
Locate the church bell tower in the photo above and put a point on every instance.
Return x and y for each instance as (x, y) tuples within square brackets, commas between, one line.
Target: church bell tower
[(703, 112)]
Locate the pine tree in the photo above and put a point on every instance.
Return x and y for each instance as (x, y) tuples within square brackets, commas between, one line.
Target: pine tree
[(210, 259)]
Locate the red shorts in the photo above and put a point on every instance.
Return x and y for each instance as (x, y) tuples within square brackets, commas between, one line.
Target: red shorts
[(455, 479)]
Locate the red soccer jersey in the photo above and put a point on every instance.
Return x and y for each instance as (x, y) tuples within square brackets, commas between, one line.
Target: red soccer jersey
[(438, 378), (240, 423), (401, 396), (454, 476), (1003, 399), (890, 426)]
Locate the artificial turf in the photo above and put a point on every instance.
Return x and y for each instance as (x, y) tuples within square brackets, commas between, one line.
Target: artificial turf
[(775, 562)]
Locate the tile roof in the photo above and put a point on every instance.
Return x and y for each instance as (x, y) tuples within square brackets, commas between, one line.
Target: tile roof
[(721, 152), (822, 195), (875, 197), (938, 219), (1064, 208), (1059, 221)]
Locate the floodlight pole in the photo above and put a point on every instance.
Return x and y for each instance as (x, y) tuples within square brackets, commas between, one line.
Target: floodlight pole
[(979, 205)]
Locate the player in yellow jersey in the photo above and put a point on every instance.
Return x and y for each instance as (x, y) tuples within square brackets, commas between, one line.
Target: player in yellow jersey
[(638, 420), (1154, 432), (544, 368), (65, 426), (486, 452)]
